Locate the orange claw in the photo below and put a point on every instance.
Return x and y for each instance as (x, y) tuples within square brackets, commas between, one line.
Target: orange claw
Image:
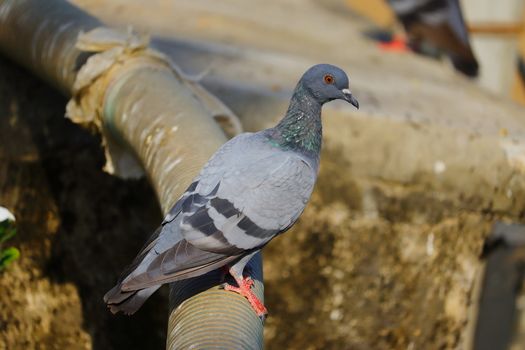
[(245, 289)]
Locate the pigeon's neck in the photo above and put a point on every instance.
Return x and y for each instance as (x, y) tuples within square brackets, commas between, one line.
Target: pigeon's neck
[(301, 127)]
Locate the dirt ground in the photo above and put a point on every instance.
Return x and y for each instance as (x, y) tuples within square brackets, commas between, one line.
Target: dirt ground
[(77, 228)]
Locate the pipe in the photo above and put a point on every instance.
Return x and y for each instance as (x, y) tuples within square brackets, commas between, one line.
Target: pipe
[(147, 112), (41, 34)]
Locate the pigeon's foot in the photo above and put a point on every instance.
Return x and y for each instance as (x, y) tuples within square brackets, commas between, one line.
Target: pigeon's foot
[(244, 288)]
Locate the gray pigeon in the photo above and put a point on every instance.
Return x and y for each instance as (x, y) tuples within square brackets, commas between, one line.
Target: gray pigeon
[(252, 189), (440, 23)]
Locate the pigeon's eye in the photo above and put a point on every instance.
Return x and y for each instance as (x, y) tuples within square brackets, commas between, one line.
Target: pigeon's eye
[(328, 79)]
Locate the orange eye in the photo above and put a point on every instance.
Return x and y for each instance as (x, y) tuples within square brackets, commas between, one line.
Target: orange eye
[(328, 79)]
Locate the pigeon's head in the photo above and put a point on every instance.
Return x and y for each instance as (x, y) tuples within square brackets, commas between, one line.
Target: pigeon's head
[(327, 83)]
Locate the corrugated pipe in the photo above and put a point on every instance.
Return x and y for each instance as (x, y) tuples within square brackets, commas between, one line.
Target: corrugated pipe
[(152, 117)]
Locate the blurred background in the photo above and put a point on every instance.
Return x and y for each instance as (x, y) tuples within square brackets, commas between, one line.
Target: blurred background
[(496, 37), (413, 238)]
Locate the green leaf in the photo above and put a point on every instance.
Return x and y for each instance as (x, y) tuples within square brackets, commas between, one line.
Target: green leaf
[(7, 256), (7, 230)]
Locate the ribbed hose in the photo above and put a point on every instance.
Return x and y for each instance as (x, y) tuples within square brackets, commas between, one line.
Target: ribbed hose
[(149, 109), (191, 324)]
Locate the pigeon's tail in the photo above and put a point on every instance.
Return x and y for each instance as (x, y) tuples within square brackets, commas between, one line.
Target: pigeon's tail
[(127, 302), (130, 301), (165, 258), (466, 65)]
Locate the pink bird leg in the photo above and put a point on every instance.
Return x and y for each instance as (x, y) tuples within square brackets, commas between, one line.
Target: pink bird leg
[(245, 289)]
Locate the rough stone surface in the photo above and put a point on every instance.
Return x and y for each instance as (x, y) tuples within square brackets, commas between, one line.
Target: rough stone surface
[(395, 277)]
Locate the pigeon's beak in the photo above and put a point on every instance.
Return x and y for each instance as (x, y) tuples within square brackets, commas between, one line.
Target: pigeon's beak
[(350, 98)]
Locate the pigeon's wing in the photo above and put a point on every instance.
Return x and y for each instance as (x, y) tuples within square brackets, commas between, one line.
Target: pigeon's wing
[(179, 262), (251, 203), (245, 195), (166, 257), (157, 240)]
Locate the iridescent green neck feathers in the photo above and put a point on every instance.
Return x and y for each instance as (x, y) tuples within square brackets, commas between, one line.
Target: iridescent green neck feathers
[(301, 127)]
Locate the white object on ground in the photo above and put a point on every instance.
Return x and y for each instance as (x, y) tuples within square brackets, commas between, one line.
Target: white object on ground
[(5, 214)]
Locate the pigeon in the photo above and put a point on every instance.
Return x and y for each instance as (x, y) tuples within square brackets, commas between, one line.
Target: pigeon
[(252, 189), (441, 24)]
